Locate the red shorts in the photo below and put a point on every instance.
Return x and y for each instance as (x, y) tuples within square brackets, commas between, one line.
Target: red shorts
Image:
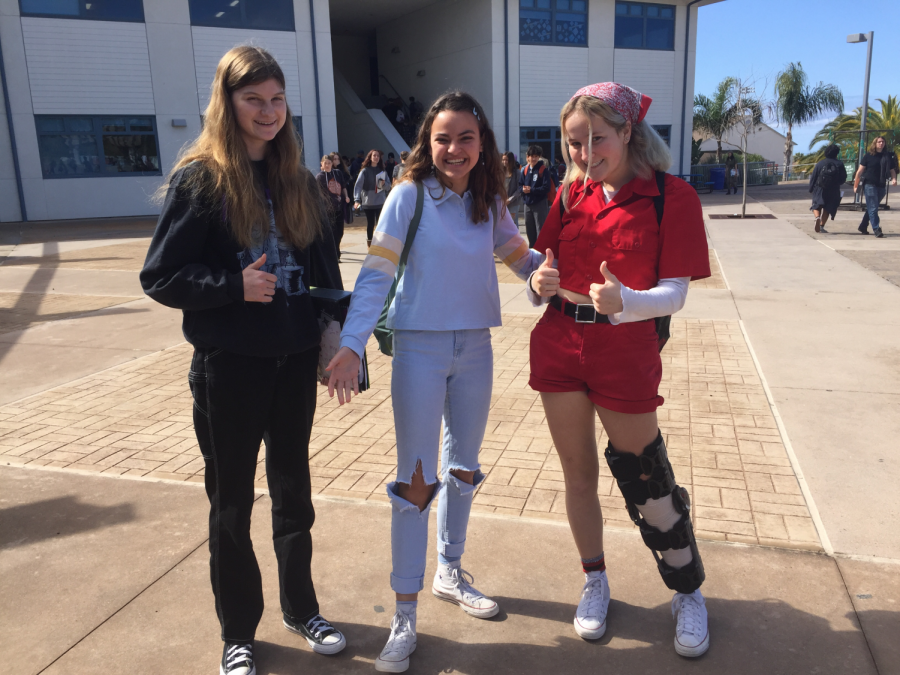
[(617, 366)]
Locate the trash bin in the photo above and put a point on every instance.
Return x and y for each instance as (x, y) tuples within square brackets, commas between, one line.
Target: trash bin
[(717, 176)]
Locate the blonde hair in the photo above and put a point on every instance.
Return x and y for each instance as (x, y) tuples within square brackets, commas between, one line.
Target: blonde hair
[(227, 177), (647, 152)]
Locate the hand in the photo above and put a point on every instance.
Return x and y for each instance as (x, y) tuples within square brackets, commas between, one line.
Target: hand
[(526, 189), (607, 297), (355, 205), (894, 181), (258, 286), (342, 374), (346, 199), (856, 186), (545, 280)]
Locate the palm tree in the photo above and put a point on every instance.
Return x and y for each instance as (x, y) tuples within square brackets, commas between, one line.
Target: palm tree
[(844, 129), (797, 103), (714, 117)]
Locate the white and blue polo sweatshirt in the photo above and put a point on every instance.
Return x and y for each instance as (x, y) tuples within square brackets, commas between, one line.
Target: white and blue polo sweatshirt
[(450, 282)]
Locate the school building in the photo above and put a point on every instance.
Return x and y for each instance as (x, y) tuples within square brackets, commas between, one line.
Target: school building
[(99, 96)]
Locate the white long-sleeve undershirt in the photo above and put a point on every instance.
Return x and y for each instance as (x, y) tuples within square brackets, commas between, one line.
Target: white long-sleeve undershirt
[(664, 299)]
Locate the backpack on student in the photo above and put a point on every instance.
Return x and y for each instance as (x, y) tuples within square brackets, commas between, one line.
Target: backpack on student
[(829, 177), (659, 203)]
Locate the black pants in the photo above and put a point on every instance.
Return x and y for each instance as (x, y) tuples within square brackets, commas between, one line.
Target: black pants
[(238, 402), (337, 228), (372, 216), (535, 215)]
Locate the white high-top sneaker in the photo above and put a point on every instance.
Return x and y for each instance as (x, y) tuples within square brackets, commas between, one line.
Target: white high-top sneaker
[(454, 584), (691, 628), (394, 658), (590, 617)]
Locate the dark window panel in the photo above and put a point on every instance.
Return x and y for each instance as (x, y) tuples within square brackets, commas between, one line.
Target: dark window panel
[(268, 15), (660, 34), (131, 154), (535, 26), (51, 124), (79, 124), (140, 124), (96, 10), (114, 124), (571, 28), (645, 26), (629, 32), (69, 155), (665, 132)]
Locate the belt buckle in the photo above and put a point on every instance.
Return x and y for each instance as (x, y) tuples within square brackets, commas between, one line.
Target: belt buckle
[(590, 308)]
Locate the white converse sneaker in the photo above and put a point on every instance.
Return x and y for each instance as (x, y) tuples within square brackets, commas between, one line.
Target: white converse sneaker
[(454, 584), (691, 629), (590, 617), (394, 658)]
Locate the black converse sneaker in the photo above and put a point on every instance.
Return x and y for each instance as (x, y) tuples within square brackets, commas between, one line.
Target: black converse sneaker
[(237, 660), (321, 635)]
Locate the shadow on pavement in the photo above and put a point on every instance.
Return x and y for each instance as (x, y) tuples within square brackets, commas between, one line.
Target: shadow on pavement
[(30, 523)]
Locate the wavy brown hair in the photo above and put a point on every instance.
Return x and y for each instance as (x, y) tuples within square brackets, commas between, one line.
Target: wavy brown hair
[(510, 164), (486, 180), (369, 161), (872, 149), (228, 177)]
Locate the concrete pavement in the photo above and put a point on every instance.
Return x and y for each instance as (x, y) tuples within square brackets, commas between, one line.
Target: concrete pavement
[(778, 381)]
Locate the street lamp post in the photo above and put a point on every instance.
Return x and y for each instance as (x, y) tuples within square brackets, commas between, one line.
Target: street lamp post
[(854, 39)]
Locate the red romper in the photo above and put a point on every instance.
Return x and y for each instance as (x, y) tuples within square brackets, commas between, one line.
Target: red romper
[(618, 366)]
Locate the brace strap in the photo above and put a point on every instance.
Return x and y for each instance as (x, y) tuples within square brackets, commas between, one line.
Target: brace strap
[(685, 579), (628, 468)]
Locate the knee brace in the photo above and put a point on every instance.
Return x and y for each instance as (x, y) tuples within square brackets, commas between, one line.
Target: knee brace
[(627, 469)]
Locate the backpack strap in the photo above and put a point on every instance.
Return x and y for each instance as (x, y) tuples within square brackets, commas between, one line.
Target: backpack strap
[(413, 227), (659, 202)]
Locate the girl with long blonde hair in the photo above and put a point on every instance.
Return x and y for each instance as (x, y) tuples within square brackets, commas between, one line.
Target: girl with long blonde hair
[(623, 240), (242, 235)]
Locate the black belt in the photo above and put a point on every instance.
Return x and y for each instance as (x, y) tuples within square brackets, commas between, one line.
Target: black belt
[(581, 313)]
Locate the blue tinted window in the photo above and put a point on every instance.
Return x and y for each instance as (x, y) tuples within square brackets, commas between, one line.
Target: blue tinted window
[(97, 10), (664, 131), (262, 15), (562, 22), (645, 26), (73, 146)]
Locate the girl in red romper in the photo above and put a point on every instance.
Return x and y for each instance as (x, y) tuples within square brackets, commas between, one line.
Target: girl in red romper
[(620, 252)]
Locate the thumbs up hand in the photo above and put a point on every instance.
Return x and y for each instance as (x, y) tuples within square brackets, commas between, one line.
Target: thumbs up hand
[(258, 286), (607, 297), (545, 280)]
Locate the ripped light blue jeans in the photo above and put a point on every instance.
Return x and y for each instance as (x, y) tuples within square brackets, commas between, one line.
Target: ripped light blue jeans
[(438, 375)]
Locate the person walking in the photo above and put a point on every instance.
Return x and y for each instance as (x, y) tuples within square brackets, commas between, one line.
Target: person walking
[(415, 111), (536, 185), (513, 189), (731, 174), (401, 167), (356, 165), (370, 190), (241, 236), (622, 241), (445, 304), (390, 164), (876, 167), (825, 185), (331, 180)]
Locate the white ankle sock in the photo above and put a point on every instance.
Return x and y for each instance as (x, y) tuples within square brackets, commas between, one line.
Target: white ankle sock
[(661, 514)]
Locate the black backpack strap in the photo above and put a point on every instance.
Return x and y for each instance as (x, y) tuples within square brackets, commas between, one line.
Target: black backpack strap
[(660, 202)]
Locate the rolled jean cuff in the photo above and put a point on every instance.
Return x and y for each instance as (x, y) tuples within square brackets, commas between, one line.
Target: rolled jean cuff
[(465, 491), (401, 585)]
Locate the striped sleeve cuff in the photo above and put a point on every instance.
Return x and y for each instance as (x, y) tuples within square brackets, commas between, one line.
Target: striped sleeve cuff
[(384, 253)]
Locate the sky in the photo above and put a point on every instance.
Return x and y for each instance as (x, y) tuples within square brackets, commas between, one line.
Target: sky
[(754, 40)]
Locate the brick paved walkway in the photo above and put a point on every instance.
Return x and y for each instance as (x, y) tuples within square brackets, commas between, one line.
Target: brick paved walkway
[(134, 420)]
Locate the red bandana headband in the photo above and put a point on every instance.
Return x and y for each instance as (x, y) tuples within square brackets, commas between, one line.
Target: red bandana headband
[(631, 104)]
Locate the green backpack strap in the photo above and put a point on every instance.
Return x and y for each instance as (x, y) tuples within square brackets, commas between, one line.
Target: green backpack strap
[(383, 334)]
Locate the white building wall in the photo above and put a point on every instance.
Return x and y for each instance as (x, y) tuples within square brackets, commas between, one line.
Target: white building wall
[(88, 67), (459, 55), (9, 197), (549, 75), (652, 73)]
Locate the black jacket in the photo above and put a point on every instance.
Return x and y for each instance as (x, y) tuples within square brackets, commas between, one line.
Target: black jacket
[(195, 265)]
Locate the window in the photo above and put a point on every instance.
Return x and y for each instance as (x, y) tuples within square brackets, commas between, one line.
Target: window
[(97, 10), (664, 131), (549, 22), (78, 146), (268, 15), (550, 140), (642, 26)]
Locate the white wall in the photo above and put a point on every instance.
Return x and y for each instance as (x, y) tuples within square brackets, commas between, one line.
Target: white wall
[(459, 54), (548, 76), (326, 102), (652, 73), (9, 197), (88, 67), (763, 140)]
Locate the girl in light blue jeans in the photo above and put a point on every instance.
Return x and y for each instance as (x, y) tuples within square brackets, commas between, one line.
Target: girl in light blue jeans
[(446, 302)]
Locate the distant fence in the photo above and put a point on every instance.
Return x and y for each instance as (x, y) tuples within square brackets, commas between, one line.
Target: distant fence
[(758, 173)]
